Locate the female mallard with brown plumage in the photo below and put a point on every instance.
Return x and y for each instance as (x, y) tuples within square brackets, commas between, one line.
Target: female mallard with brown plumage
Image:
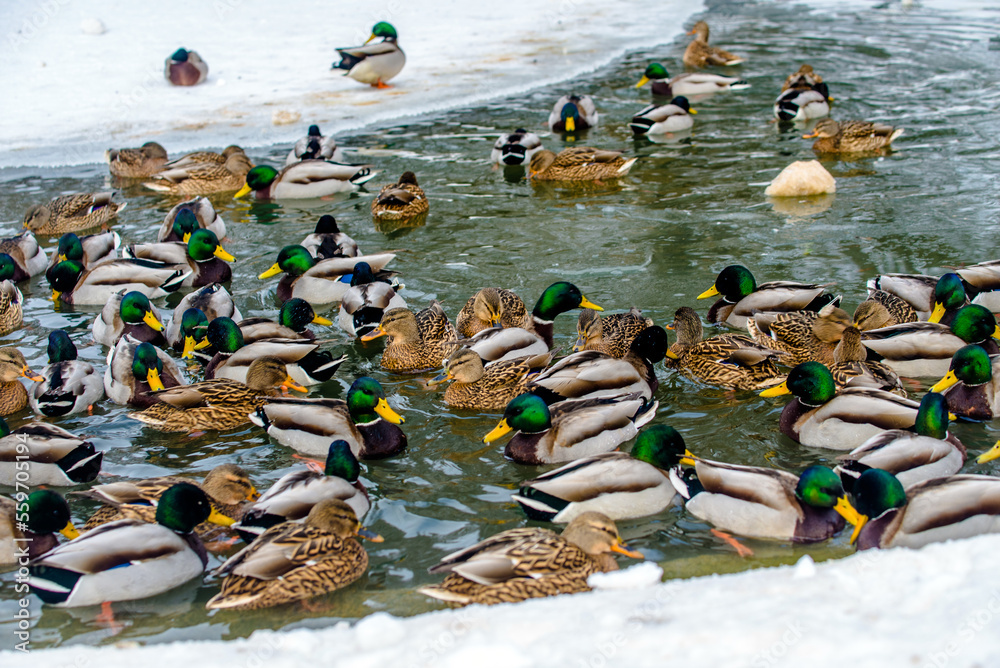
[(135, 163), (203, 157), (609, 334), (519, 564), (883, 309), (400, 200), (13, 366), (491, 307), (852, 368), (203, 178), (804, 77), (11, 299), (485, 388), (699, 54), (728, 360), (801, 336), (741, 297), (851, 136), (417, 342), (217, 404), (579, 163), (71, 213)]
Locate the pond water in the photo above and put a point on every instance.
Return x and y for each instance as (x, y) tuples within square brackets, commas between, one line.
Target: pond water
[(654, 241)]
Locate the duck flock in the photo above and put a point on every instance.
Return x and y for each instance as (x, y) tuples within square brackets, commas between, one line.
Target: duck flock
[(879, 386)]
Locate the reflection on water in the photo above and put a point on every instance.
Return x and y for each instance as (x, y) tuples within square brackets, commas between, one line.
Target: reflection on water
[(655, 240)]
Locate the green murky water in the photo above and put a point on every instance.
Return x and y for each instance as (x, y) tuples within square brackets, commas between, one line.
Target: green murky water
[(655, 241)]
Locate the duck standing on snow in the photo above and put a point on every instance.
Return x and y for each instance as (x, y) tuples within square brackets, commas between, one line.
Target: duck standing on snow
[(185, 68), (375, 64)]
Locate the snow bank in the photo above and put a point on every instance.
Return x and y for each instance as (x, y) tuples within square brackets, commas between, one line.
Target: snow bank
[(930, 608)]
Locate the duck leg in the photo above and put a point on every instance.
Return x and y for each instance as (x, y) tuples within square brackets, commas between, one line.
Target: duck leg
[(740, 548)]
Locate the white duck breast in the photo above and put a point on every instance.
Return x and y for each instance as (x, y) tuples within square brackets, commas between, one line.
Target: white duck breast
[(911, 457), (661, 120), (915, 349), (55, 456), (801, 105), (696, 83), (509, 343), (362, 306), (294, 495), (854, 416), (971, 503), (515, 148), (374, 62), (68, 387)]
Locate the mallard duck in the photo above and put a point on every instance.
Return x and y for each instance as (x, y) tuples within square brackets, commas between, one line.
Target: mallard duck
[(365, 420), (925, 349), (742, 297), (579, 163), (135, 369), (885, 515), (293, 322), (687, 83), (70, 213), (314, 146), (507, 343), (293, 561), (417, 342), (295, 494), (948, 297), (134, 163), (55, 457), (802, 178), (305, 180), (609, 334), (69, 385), (699, 54), (852, 368), (220, 404), (801, 336), (917, 290), (620, 485), (185, 68), (485, 388), (570, 430), (759, 502), (202, 178), (47, 514), (319, 281), (111, 562), (13, 366), (188, 216), (530, 562), (491, 307), (73, 284), (202, 256), (969, 386), (927, 451), (206, 304), (852, 136), (804, 77), (515, 148), (883, 309), (821, 418), (11, 299), (982, 283), (29, 258), (129, 313), (89, 250), (803, 104), (328, 241), (375, 64), (572, 113), (205, 157), (727, 360), (401, 200), (663, 119), (366, 301)]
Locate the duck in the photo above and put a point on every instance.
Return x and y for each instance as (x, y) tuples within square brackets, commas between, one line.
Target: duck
[(819, 417), (305, 180), (73, 284), (69, 385), (934, 299), (579, 163), (802, 178), (295, 494), (47, 515), (365, 302), (573, 113), (491, 307), (293, 322), (110, 563), (11, 299), (758, 502), (202, 256), (618, 484), (570, 430), (912, 455), (56, 457), (530, 562), (610, 334), (687, 83), (135, 370), (727, 360), (319, 281), (803, 104), (314, 146), (852, 368), (949, 296), (515, 148), (71, 213), (365, 420), (292, 561), (742, 297), (136, 163), (663, 119), (852, 136), (401, 200), (982, 283), (801, 336), (191, 177), (417, 342), (925, 349), (485, 388), (29, 258), (129, 313), (376, 64), (185, 68), (191, 316), (13, 366), (205, 157), (88, 250), (699, 54), (506, 343), (883, 309), (804, 77), (186, 217), (886, 515), (969, 386), (327, 240)]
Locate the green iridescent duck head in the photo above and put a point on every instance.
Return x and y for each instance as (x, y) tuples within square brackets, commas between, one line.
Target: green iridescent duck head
[(193, 331), (559, 298), (259, 178), (60, 347), (366, 402), (949, 295), (294, 260), (341, 462), (875, 492), (974, 324), (7, 267), (971, 365), (933, 416), (660, 446), (147, 366), (224, 335), (203, 245), (184, 506), (297, 314), (810, 382), (48, 513), (69, 248), (63, 277), (136, 309), (819, 487), (526, 413), (734, 283), (654, 72)]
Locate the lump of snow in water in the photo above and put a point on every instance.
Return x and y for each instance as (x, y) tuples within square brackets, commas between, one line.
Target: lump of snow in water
[(804, 568), (378, 630), (644, 574), (285, 117), (92, 27), (802, 178)]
